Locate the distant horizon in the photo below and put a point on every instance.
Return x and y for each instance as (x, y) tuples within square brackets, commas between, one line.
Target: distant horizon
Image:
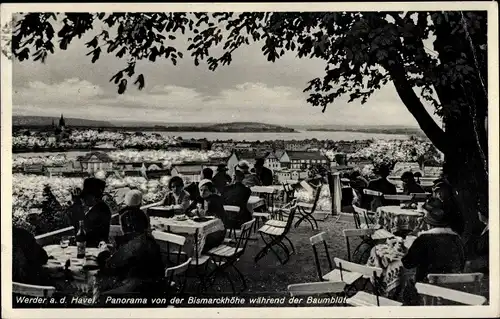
[(162, 123)]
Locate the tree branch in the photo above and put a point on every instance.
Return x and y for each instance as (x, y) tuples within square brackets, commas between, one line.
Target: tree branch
[(416, 108)]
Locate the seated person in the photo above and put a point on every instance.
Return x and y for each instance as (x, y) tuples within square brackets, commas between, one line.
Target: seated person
[(136, 267), (382, 185), (133, 203), (27, 258), (264, 174), (177, 198), (194, 191), (237, 194), (438, 249), (212, 206), (221, 179), (89, 207), (410, 185), (250, 179)]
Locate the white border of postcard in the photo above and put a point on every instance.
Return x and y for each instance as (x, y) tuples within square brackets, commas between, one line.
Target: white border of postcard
[(491, 310)]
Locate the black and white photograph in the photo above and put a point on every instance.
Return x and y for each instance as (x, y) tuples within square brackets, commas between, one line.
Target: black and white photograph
[(250, 157)]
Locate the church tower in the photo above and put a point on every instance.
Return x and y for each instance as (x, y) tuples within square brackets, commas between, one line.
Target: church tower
[(62, 122)]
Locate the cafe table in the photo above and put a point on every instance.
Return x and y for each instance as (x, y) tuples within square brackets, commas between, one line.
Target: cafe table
[(395, 218), (195, 232), (80, 278)]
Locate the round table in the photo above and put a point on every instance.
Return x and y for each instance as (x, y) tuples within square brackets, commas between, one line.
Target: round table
[(395, 218), (84, 281)]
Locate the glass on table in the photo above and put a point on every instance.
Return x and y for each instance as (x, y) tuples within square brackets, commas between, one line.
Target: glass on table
[(64, 243)]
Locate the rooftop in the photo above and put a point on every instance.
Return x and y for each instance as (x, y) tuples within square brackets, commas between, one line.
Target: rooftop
[(300, 155)]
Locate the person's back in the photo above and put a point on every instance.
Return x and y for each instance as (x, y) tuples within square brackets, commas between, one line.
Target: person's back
[(220, 180), (97, 222), (238, 194), (380, 185), (251, 180), (413, 188), (266, 176), (435, 251), (27, 257)]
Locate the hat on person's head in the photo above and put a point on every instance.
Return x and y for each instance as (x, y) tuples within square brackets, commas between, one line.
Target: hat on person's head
[(93, 186), (243, 166), (221, 168), (204, 182), (133, 198), (435, 214), (441, 183)]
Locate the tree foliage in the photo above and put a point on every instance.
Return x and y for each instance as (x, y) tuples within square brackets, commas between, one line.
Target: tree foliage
[(430, 57)]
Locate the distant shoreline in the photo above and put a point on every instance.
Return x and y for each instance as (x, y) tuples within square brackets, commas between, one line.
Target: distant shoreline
[(395, 131)]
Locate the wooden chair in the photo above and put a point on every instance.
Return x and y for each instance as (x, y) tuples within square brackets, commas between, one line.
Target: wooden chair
[(54, 237), (274, 237), (454, 280), (289, 193), (165, 241), (281, 215), (267, 193), (231, 210), (361, 214), (175, 272), (437, 294), (316, 288), (225, 256), (307, 210), (370, 192), (349, 233), (32, 290)]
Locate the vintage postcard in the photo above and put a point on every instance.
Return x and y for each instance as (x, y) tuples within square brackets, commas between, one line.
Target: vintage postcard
[(250, 160)]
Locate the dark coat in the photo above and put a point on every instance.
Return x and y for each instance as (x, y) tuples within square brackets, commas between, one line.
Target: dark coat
[(96, 222), (237, 194), (251, 180), (266, 176), (215, 207), (221, 180), (27, 257), (456, 219), (439, 250), (380, 185), (194, 195), (137, 264), (413, 188)]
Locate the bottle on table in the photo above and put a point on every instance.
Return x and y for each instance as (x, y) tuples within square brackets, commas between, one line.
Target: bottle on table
[(81, 241)]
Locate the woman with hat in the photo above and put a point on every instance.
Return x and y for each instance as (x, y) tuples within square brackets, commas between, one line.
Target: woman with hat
[(221, 179), (250, 180), (133, 203), (89, 207), (438, 249), (136, 267), (410, 185)]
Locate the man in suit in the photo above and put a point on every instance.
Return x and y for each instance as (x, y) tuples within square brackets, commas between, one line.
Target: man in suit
[(382, 185), (221, 178), (263, 173), (238, 194)]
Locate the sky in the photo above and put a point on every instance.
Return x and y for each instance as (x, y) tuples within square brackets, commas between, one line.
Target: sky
[(249, 89)]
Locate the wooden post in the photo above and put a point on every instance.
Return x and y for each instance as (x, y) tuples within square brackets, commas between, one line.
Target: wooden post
[(335, 192)]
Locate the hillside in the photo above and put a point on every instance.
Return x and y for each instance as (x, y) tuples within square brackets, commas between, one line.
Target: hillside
[(18, 120)]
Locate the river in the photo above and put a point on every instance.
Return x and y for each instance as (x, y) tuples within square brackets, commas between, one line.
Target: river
[(298, 136)]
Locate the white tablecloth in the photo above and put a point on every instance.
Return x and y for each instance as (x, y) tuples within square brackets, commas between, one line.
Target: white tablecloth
[(188, 228), (395, 218), (254, 202)]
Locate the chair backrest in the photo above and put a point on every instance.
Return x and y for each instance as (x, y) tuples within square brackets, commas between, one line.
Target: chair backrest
[(399, 197), (263, 189), (166, 239), (246, 230), (362, 269), (289, 221), (449, 294), (451, 280), (231, 208), (355, 233), (358, 213), (317, 241), (32, 290), (372, 192), (54, 236)]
